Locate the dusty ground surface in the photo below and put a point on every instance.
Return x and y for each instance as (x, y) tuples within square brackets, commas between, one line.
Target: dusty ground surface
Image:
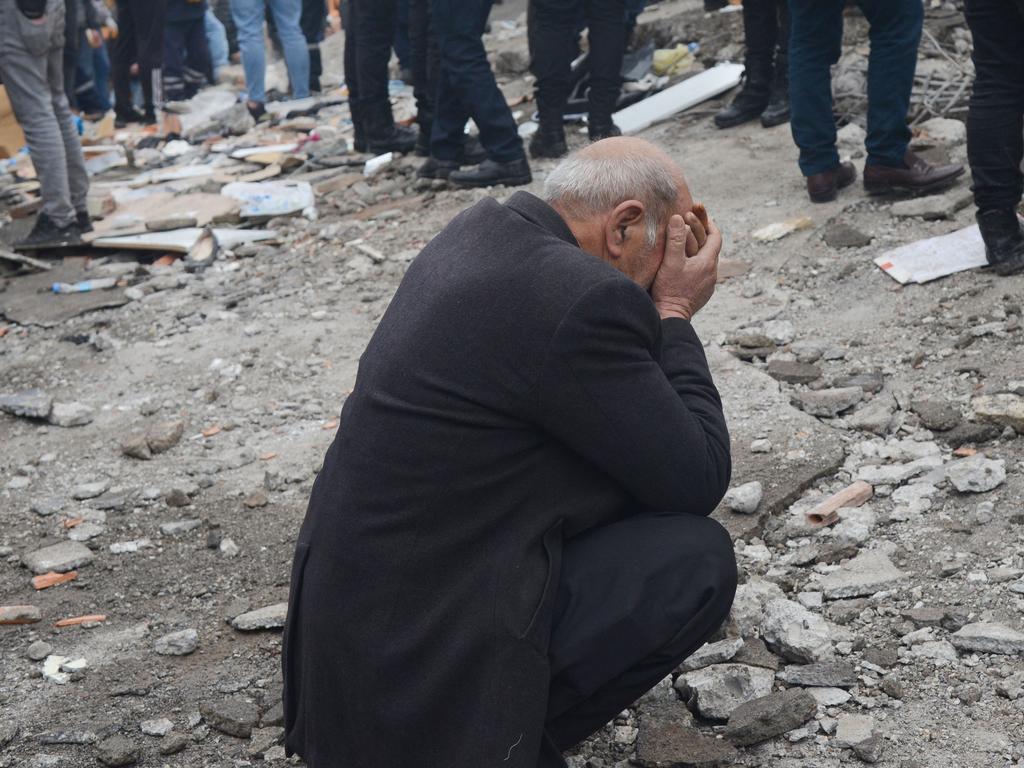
[(253, 358)]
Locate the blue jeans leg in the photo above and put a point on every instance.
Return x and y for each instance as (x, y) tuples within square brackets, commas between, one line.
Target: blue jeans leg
[(249, 16), (466, 79), (815, 43), (216, 40), (287, 18), (895, 35)]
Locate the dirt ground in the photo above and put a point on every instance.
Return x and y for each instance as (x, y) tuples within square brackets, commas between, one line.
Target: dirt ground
[(255, 355)]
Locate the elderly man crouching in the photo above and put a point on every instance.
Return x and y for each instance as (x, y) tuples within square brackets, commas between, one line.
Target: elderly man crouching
[(509, 542)]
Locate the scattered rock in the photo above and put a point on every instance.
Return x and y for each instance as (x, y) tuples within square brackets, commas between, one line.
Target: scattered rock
[(71, 414), (795, 633), (234, 716), (19, 614), (177, 497), (63, 557), (256, 499), (174, 742), (859, 733), (824, 674), (875, 417), (117, 751), (937, 415), (39, 650), (944, 130), (90, 490), (976, 474), (263, 739), (269, 617), (830, 697), (712, 653), (744, 498), (985, 637), (714, 692), (1005, 409), (180, 643), (870, 382), (667, 737), (934, 207), (793, 371), (867, 573), (160, 726), (840, 235), (30, 403), (769, 716), (176, 527), (828, 403)]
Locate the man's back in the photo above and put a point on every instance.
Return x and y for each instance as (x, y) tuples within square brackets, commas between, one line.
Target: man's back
[(472, 444)]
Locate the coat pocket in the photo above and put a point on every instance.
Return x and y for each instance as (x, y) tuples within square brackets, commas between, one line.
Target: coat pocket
[(35, 34), (538, 630)]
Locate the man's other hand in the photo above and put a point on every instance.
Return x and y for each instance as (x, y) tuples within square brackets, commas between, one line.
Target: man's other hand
[(686, 279)]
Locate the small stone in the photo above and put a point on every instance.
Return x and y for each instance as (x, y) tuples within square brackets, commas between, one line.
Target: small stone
[(269, 617), (769, 716), (234, 716), (263, 739), (165, 435), (30, 403), (1004, 409), (136, 447), (177, 497), (934, 207), (714, 692), (825, 674), (71, 414), (892, 687), (871, 382), (944, 130), (173, 743), (39, 650), (937, 415), (63, 557), (50, 505), (828, 402), (970, 433), (875, 417), (859, 733), (986, 637), (761, 445), (117, 751), (795, 633), (976, 474), (867, 573), (256, 499), (744, 498), (90, 490), (19, 614), (228, 548), (793, 371), (839, 235), (667, 737), (179, 643), (177, 527), (86, 531), (781, 332), (830, 697), (160, 726), (712, 653)]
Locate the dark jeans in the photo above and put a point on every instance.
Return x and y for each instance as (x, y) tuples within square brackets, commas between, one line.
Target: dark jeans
[(187, 62), (765, 27), (815, 44), (425, 62), (369, 31), (635, 598), (91, 72), (466, 86), (995, 122), (552, 36), (139, 40), (312, 22)]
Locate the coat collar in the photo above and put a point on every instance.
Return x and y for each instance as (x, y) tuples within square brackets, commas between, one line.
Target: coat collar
[(533, 209)]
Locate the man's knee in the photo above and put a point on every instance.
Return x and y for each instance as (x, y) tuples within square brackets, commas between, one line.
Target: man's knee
[(717, 556)]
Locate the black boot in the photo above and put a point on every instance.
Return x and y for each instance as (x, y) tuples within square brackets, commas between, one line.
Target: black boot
[(602, 127), (46, 234), (83, 220), (1004, 240), (752, 99), (473, 152), (491, 173), (549, 141), (777, 111), (382, 133), (437, 169), (358, 128)]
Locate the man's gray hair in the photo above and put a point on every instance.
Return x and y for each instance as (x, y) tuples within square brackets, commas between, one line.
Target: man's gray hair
[(585, 186)]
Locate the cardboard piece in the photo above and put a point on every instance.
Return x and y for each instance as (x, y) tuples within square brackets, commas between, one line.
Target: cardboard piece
[(935, 257), (183, 240), (12, 139), (678, 97), (271, 198), (207, 209)]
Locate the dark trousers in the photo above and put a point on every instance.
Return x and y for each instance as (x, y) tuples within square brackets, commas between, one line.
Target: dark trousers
[(635, 598), (369, 31), (466, 85), (425, 62), (995, 123), (765, 28), (187, 63), (552, 37), (314, 17), (815, 44), (139, 40)]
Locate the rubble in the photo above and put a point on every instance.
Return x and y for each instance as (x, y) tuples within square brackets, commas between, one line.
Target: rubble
[(867, 573), (986, 637), (976, 474), (180, 643), (269, 617), (795, 633), (769, 716), (1005, 409), (860, 733), (828, 403), (31, 403), (66, 556), (234, 716), (745, 498), (715, 691)]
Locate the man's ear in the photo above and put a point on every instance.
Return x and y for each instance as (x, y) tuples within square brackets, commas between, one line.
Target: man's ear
[(623, 225)]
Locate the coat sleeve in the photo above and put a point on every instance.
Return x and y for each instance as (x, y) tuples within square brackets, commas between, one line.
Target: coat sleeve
[(652, 419)]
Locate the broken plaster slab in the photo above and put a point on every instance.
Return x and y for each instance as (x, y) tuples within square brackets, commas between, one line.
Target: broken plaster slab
[(679, 97), (183, 240)]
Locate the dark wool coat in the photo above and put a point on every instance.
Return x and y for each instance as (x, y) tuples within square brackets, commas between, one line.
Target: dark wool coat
[(516, 392)]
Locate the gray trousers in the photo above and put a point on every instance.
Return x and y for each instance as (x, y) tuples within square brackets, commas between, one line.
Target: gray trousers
[(32, 67)]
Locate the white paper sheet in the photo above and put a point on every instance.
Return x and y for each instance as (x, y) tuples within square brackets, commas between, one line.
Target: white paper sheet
[(935, 257)]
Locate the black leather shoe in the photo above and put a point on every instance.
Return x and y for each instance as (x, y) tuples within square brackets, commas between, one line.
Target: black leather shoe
[(548, 141), (399, 139), (46, 234), (491, 174), (823, 187), (777, 111), (752, 99), (125, 118), (83, 221), (473, 152), (915, 177), (603, 130), (1004, 241), (437, 169)]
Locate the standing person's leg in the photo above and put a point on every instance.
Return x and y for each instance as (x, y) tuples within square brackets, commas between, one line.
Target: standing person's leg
[(287, 14), (314, 15), (249, 18), (101, 74), (349, 22), (123, 56), (26, 53), (424, 81), (635, 598), (216, 41), (760, 34), (466, 72), (74, 161), (995, 147), (198, 65), (815, 42), (777, 111), (891, 166), (551, 34), (149, 37), (606, 36), (174, 60)]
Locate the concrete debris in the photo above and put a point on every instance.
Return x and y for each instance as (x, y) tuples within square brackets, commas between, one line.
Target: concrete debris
[(117, 751), (986, 637), (934, 207), (795, 633), (976, 474), (180, 643), (269, 617), (745, 498), (824, 674), (714, 692), (861, 734), (839, 235), (31, 404), (66, 556), (769, 716), (828, 403), (71, 414), (19, 614), (1005, 409), (866, 574), (234, 716), (159, 727)]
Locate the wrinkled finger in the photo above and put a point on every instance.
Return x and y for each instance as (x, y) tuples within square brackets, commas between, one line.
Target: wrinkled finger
[(713, 246), (692, 246), (699, 231), (701, 213), (675, 242)]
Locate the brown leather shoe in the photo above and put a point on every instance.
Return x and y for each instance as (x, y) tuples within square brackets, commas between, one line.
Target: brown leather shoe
[(822, 187), (915, 178)]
